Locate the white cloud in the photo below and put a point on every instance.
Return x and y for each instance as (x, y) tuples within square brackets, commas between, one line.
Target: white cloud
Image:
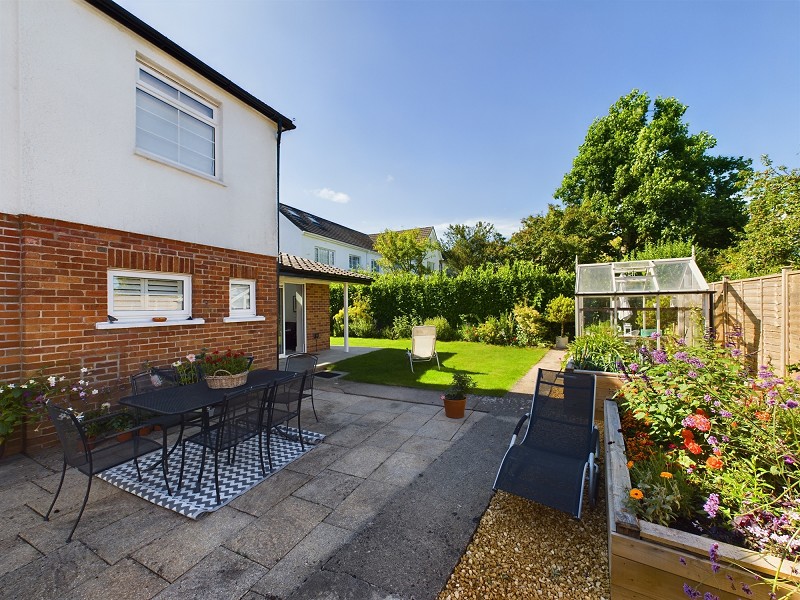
[(389, 178), (329, 194)]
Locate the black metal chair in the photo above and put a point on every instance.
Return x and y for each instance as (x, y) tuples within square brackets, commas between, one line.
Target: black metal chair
[(286, 406), (94, 457), (239, 418), (159, 378), (558, 452), (303, 362)]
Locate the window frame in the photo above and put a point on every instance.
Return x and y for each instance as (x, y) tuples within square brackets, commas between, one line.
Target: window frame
[(374, 266), (357, 259), (331, 255), (239, 312), (214, 121), (147, 315)]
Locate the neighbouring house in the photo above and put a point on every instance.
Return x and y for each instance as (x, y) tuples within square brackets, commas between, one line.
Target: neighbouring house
[(315, 238), (137, 182), (433, 260)]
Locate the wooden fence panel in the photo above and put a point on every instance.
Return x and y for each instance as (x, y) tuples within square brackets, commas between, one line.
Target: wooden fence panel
[(766, 312)]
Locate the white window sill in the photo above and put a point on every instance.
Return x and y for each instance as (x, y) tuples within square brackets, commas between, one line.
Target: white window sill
[(243, 319), (148, 323)]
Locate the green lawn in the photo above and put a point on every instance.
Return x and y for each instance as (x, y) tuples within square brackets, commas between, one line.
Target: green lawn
[(495, 368)]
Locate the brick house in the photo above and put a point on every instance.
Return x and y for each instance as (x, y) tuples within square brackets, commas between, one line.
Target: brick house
[(137, 182)]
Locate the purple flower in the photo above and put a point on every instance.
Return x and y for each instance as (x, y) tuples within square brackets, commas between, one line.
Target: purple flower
[(712, 440), (712, 506), (655, 335), (681, 341), (791, 404), (659, 357), (725, 413), (736, 353), (713, 555), (692, 374), (681, 356), (710, 596), (633, 367), (690, 591), (683, 561), (746, 589), (789, 459)]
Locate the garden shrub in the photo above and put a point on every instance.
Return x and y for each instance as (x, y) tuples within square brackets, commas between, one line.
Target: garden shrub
[(361, 323), (497, 330), (599, 349), (444, 331), (402, 325), (530, 328)]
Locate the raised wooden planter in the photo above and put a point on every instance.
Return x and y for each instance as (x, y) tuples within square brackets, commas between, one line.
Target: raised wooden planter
[(645, 559)]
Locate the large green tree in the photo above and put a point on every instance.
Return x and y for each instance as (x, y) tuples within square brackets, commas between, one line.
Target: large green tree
[(643, 171), (555, 238), (472, 246), (403, 251), (772, 236)]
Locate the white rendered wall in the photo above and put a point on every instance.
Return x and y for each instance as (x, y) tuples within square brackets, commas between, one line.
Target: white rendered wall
[(71, 120)]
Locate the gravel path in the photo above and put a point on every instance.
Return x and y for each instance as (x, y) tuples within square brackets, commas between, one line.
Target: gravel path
[(523, 550)]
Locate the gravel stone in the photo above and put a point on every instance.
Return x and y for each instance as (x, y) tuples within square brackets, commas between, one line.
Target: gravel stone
[(524, 550)]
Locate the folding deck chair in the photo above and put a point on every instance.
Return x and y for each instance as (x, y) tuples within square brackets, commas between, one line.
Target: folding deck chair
[(558, 452), (423, 345)]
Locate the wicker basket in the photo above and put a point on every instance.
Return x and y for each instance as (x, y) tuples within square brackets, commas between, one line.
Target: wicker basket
[(221, 382)]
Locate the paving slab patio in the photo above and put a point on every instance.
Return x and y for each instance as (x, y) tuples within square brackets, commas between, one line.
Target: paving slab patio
[(383, 508)]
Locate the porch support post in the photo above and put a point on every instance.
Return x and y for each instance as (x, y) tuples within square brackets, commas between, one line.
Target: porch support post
[(346, 322)]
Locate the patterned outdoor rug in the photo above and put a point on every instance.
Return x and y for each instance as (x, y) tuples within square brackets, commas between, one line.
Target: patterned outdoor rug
[(235, 479)]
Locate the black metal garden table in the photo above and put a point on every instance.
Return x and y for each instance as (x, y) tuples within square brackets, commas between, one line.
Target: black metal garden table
[(185, 399)]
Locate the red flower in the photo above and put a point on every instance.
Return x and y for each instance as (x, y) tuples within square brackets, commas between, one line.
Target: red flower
[(693, 447), (712, 462), (701, 422)]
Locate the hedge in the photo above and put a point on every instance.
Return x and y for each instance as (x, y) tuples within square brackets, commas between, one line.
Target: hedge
[(474, 293)]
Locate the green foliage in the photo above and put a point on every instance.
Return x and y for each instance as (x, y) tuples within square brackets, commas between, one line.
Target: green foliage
[(555, 238), (402, 325), (598, 349), (403, 251), (497, 330), (360, 321), (487, 291), (560, 310), (772, 236), (667, 495), (706, 260), (444, 331), (14, 400), (465, 246), (643, 172), (460, 386), (530, 329)]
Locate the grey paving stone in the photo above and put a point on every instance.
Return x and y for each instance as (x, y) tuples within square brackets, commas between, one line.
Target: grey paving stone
[(127, 580), (15, 553), (72, 492), (329, 488), (19, 468), (22, 492), (361, 461), (16, 519), (427, 409), (401, 468), (119, 539), (270, 492), (440, 430), (52, 576), (325, 585), (361, 506), (411, 420), (350, 435), (388, 437), (269, 538), (174, 553), (376, 418), (303, 560), (220, 575), (317, 459), (425, 446)]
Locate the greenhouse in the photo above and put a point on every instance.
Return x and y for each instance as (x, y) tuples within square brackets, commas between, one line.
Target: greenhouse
[(638, 298)]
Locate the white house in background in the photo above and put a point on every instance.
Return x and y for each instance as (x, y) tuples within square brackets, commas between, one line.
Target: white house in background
[(314, 238)]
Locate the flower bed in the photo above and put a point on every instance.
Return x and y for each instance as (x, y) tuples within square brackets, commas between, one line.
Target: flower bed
[(712, 450)]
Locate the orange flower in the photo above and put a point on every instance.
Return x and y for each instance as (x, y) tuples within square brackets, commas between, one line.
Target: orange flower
[(762, 416), (693, 447), (637, 494), (734, 424), (666, 475), (630, 464), (702, 423), (687, 434), (712, 462), (700, 411)]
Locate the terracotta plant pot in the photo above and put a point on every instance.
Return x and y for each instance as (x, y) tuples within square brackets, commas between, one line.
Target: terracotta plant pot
[(124, 436), (145, 430), (454, 409)]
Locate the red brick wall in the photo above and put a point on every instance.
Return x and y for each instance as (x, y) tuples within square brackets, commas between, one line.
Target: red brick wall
[(318, 321), (53, 286)]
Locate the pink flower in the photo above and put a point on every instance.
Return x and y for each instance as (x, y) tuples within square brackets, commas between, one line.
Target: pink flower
[(190, 357)]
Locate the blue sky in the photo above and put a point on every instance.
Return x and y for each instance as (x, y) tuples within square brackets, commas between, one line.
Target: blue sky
[(414, 113)]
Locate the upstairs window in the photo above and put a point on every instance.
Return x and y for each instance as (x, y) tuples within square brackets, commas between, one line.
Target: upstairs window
[(138, 296), (355, 262), (376, 268), (325, 256), (175, 125), (243, 298)]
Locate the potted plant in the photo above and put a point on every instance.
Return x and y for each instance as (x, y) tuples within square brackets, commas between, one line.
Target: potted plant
[(455, 397), (560, 310)]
